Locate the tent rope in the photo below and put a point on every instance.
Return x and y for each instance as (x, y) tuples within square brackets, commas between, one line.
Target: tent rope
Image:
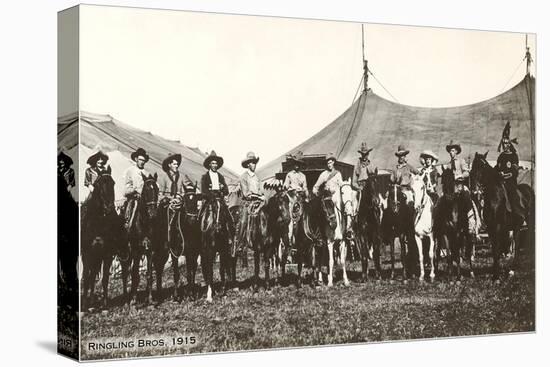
[(513, 74), (382, 85)]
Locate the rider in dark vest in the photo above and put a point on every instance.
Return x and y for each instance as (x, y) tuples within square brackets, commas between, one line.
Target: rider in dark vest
[(213, 186), (508, 168)]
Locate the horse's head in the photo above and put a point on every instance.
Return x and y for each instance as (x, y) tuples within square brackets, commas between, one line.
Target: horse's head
[(479, 166), (448, 181), (279, 207), (419, 191), (394, 197), (191, 202), (331, 203), (104, 193), (150, 195), (350, 204)]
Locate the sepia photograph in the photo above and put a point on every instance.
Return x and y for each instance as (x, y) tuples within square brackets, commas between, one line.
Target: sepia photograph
[(240, 183)]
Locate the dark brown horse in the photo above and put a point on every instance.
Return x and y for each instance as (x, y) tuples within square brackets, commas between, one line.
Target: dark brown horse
[(369, 226), (141, 234), (278, 234), (397, 222), (451, 224), (177, 234), (67, 244), (102, 235), (214, 224), (498, 219)]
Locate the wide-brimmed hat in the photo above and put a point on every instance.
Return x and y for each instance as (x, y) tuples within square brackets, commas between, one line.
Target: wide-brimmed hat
[(429, 153), (297, 157), (452, 145), (331, 157), (97, 154), (213, 157), (364, 149), (401, 151), (171, 157), (65, 158), (250, 157), (139, 152)]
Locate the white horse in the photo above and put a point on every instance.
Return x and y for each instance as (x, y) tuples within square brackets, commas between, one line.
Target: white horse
[(423, 222), (333, 234), (349, 207)]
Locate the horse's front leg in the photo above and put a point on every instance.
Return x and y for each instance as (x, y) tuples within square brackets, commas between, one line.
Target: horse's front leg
[(149, 259), (256, 280), (330, 246), (105, 279), (376, 256), (343, 254), (135, 277), (403, 242), (431, 253), (177, 281), (392, 255), (420, 256)]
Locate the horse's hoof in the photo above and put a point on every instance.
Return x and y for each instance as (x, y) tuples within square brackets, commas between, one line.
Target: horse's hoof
[(451, 282), (511, 273), (347, 283), (392, 281), (405, 281)]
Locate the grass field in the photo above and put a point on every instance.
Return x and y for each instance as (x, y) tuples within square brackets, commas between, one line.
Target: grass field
[(290, 317)]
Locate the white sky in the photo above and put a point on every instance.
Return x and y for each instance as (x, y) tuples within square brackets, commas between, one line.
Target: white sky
[(240, 83)]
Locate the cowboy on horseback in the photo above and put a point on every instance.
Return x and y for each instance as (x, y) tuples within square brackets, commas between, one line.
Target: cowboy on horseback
[(459, 167), (97, 165), (133, 183), (213, 186), (64, 163), (173, 184), (363, 169), (253, 198), (508, 168), (330, 179), (429, 173), (295, 180), (402, 175), (296, 185)]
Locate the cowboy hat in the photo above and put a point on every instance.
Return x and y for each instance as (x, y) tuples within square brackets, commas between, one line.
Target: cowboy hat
[(330, 157), (297, 157), (139, 152), (364, 149), (429, 153), (97, 155), (401, 151), (213, 157), (65, 158), (250, 157), (171, 157), (455, 146)]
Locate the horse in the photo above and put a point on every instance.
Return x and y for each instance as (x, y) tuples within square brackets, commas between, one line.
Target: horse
[(141, 233), (350, 205), (423, 223), (102, 235), (190, 224), (253, 234), (214, 224), (369, 226), (278, 233), (397, 222), (67, 243), (498, 219), (456, 223), (168, 242), (325, 210)]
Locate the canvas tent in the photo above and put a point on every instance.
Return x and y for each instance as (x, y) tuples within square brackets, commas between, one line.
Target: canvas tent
[(119, 140), (384, 124)]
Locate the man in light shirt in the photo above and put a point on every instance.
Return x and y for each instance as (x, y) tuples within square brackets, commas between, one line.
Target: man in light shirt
[(458, 166), (330, 179), (253, 199), (133, 183)]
